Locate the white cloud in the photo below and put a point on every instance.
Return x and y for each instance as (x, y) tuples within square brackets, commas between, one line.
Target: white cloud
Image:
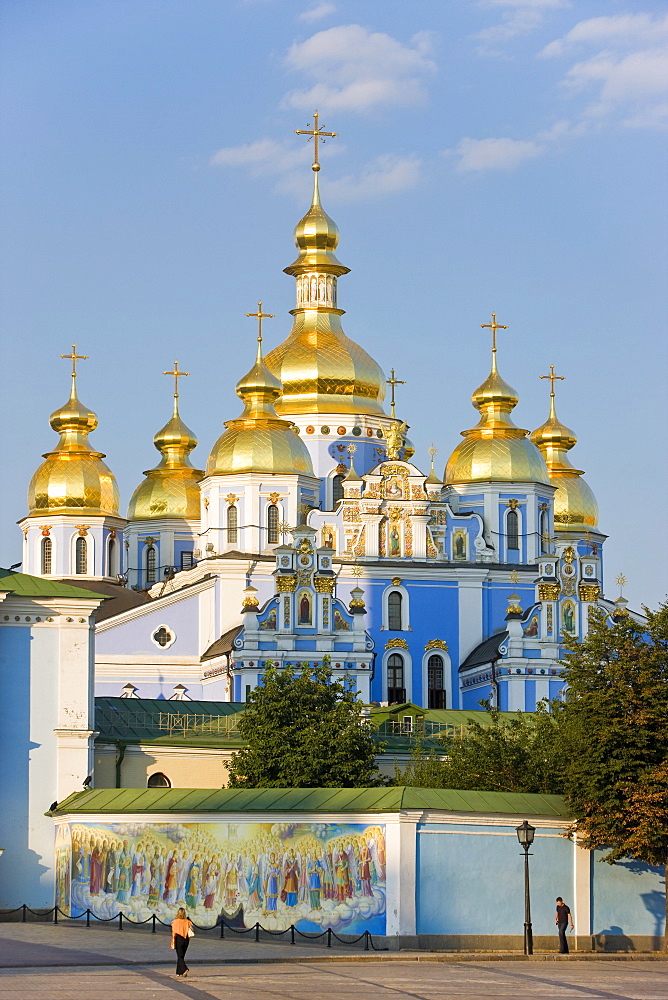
[(619, 29), (494, 153), (387, 174), (359, 70), (520, 17), (317, 12), (627, 78)]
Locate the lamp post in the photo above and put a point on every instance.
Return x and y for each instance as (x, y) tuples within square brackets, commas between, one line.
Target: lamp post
[(525, 835)]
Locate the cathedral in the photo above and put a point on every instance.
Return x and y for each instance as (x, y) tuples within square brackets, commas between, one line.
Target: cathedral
[(311, 533)]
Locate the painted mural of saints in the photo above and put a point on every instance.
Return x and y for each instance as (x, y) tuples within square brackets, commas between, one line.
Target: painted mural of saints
[(290, 879), (271, 886)]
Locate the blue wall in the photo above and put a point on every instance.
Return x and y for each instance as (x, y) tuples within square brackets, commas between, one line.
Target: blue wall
[(628, 897)]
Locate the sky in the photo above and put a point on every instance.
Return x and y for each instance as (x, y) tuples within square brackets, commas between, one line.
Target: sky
[(492, 155)]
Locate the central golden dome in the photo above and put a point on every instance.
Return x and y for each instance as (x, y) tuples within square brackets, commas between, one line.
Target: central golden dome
[(320, 368), (258, 440), (73, 477), (495, 449), (171, 489)]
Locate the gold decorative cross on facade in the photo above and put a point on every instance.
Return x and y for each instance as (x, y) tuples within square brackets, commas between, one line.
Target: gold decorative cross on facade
[(392, 382), (621, 581), (433, 451), (74, 357), (260, 316), (493, 326), (176, 375), (283, 528), (553, 378), (514, 576), (318, 135)]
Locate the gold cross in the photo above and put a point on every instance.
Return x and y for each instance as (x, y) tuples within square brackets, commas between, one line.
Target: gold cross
[(316, 133), (621, 582), (553, 378), (74, 357), (493, 326), (176, 375), (433, 451), (260, 316), (514, 576), (392, 382)]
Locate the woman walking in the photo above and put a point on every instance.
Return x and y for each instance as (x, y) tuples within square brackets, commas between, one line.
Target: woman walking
[(182, 931)]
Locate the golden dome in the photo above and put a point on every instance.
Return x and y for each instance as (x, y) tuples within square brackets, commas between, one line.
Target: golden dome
[(171, 489), (495, 449), (258, 440), (574, 502), (320, 368), (73, 477)]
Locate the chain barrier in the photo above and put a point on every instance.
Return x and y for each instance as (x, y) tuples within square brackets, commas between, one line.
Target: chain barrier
[(154, 920)]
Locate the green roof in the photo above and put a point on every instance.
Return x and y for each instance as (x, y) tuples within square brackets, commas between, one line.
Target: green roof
[(37, 586), (140, 720), (329, 800)]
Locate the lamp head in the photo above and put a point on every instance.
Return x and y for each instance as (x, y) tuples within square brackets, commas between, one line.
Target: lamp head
[(525, 834)]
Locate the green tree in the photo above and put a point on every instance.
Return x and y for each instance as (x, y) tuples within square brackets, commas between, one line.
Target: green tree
[(516, 754), (304, 730), (614, 733)]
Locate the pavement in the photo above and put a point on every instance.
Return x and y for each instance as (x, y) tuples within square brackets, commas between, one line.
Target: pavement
[(72, 962)]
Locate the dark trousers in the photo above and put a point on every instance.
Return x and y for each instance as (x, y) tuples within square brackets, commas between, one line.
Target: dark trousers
[(563, 943), (181, 947)]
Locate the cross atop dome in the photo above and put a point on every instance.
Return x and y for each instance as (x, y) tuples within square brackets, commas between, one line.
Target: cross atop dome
[(260, 316), (493, 326), (317, 133), (553, 378), (74, 357), (176, 375)]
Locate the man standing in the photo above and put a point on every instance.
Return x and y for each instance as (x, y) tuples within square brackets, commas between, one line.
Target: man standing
[(562, 918)]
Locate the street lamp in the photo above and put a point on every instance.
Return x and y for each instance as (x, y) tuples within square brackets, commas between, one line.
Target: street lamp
[(525, 835)]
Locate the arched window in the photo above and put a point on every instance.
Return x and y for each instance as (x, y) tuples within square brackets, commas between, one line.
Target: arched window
[(272, 524), (158, 780), (47, 551), (435, 689), (111, 557), (337, 489), (544, 531), (512, 530), (232, 524), (81, 552), (396, 692), (394, 602), (150, 564)]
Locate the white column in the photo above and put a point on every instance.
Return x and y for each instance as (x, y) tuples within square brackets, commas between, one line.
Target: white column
[(582, 862), (420, 535), (401, 873)]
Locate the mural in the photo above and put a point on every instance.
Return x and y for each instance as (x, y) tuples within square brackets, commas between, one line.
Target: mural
[(313, 875)]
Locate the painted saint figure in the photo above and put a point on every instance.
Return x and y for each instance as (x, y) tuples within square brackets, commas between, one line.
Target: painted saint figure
[(271, 886), (313, 870), (290, 879)]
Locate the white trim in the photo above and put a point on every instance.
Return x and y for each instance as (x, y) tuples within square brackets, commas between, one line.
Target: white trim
[(405, 607), (167, 628)]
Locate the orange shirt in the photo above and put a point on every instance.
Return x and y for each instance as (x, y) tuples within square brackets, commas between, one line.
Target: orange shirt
[(180, 927)]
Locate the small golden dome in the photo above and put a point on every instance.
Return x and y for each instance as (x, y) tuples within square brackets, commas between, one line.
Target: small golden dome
[(171, 489), (258, 440), (73, 477), (495, 449), (321, 370), (574, 502)]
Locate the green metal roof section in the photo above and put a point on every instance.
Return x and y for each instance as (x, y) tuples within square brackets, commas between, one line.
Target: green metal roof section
[(139, 720), (327, 800), (36, 586)]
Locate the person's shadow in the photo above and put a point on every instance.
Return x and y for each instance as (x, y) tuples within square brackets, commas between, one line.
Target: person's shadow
[(613, 939)]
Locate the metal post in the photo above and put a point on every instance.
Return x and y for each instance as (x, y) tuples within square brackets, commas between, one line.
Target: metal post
[(528, 932), (257, 931), (329, 937), (120, 920), (55, 914), (222, 928), (88, 918), (153, 921), (24, 908), (292, 933), (366, 940)]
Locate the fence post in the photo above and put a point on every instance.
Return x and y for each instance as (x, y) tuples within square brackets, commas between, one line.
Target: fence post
[(257, 931), (153, 921), (292, 933), (55, 914), (222, 927), (25, 911), (366, 940), (88, 917), (120, 920), (329, 937)]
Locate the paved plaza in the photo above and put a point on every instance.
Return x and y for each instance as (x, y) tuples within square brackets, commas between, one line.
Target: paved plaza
[(41, 962)]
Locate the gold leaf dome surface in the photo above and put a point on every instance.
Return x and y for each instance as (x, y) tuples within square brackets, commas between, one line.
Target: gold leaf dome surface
[(495, 449), (575, 505), (171, 489), (320, 368), (73, 477), (259, 440)]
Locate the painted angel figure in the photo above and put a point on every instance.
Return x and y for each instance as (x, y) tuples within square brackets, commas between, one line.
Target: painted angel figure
[(314, 873), (272, 879), (366, 867), (289, 895), (253, 881), (211, 883)]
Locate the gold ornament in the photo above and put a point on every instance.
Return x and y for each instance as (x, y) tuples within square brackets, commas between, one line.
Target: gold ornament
[(396, 644), (436, 644)]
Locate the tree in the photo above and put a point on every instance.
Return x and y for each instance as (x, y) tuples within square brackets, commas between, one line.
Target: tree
[(614, 732), (517, 754), (304, 730)]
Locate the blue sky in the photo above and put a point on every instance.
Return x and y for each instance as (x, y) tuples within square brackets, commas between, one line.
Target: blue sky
[(503, 155)]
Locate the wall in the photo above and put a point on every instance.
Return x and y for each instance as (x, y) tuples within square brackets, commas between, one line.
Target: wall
[(185, 768), (628, 904)]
